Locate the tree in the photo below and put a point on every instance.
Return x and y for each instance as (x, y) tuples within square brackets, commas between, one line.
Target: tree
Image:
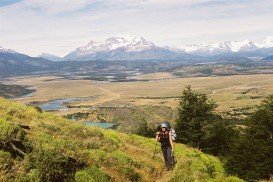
[(145, 130), (251, 156), (219, 136), (195, 112)]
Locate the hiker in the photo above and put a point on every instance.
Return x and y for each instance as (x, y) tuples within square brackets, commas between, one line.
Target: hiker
[(164, 136)]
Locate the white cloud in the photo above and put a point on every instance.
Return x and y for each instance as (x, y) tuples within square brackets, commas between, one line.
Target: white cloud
[(59, 26)]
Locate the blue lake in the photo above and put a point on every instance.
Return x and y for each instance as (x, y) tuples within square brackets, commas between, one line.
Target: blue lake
[(99, 124)]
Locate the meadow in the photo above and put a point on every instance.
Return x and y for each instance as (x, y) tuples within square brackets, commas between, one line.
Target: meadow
[(232, 93)]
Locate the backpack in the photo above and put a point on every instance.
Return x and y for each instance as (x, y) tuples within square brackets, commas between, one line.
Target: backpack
[(173, 134)]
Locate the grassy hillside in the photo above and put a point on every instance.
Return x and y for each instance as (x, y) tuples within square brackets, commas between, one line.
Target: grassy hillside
[(42, 147)]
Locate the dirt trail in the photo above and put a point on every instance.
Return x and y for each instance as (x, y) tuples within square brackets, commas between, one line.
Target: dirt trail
[(116, 95)]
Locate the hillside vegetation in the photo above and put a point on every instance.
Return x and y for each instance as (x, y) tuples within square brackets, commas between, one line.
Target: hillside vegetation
[(37, 146)]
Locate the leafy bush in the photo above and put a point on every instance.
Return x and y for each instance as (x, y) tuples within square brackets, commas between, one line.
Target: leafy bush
[(10, 131), (51, 164), (5, 161), (92, 174), (131, 174)]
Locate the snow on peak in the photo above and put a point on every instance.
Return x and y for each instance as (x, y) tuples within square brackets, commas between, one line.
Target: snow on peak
[(245, 45), (130, 44), (228, 46), (4, 50), (267, 43)]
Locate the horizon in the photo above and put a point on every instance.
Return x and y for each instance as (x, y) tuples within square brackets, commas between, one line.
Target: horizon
[(34, 27)]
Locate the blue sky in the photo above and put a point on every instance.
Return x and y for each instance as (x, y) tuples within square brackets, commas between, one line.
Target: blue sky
[(59, 26), (8, 2)]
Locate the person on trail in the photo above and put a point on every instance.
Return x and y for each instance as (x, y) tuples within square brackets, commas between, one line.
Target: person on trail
[(165, 138)]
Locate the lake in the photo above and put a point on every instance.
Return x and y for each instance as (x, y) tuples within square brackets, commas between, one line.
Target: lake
[(99, 124), (61, 103), (55, 104)]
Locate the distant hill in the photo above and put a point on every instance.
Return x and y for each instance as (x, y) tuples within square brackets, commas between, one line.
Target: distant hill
[(269, 58), (37, 146), (50, 57), (146, 57), (12, 64)]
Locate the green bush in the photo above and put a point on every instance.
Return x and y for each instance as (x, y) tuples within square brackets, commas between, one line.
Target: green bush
[(92, 174), (5, 160), (131, 174), (51, 164), (10, 131), (118, 158)]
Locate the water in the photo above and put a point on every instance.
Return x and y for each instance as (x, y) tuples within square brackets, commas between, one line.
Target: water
[(60, 103), (99, 124), (55, 104)]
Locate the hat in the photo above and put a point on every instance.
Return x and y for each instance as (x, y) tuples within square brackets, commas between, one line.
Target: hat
[(163, 125)]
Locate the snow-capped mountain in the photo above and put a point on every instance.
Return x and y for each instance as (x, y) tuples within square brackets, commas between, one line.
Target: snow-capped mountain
[(267, 43), (122, 48), (4, 50), (245, 47), (50, 57)]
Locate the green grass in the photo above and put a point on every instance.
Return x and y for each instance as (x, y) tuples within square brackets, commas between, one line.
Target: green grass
[(62, 150)]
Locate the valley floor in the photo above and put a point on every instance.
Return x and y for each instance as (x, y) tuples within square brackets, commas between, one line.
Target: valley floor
[(230, 92)]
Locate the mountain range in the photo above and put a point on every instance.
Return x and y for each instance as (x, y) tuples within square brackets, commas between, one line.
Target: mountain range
[(125, 53), (130, 48), (124, 48), (247, 47)]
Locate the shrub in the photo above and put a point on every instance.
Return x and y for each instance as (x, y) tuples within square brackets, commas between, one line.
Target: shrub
[(131, 174), (10, 131), (52, 164), (5, 160), (92, 174)]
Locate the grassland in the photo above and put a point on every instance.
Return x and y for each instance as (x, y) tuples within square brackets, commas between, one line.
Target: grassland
[(230, 92), (128, 104), (49, 148)]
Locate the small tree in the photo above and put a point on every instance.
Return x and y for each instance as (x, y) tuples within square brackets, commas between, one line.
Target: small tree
[(195, 112)]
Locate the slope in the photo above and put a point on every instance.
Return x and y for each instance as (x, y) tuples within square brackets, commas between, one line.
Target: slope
[(36, 146)]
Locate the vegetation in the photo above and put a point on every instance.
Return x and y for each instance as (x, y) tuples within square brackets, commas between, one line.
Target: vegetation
[(195, 113), (12, 91), (54, 149), (249, 148), (253, 150)]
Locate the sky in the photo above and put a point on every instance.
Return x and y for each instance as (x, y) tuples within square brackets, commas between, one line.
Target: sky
[(59, 26)]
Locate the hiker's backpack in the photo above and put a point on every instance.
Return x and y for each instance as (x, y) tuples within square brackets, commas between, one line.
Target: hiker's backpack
[(173, 134)]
